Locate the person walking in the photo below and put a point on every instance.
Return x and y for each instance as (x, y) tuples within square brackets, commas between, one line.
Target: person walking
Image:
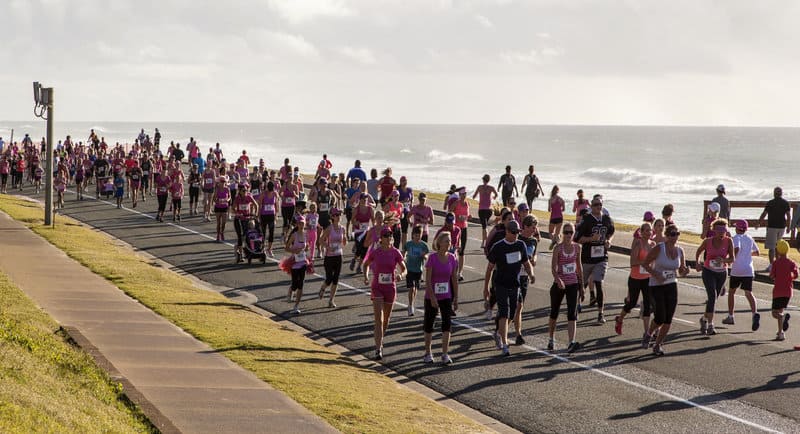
[(507, 186), (724, 204), (595, 234), (531, 187), (567, 276), (441, 295), (778, 215)]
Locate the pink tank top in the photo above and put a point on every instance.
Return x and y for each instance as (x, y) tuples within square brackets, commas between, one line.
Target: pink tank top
[(637, 271), (334, 247), (567, 265), (268, 203), (485, 198), (555, 209), (715, 255)]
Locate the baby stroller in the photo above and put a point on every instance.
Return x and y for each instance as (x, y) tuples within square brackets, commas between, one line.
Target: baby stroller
[(254, 244)]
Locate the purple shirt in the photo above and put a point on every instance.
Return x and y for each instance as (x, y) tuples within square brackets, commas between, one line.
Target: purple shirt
[(440, 275)]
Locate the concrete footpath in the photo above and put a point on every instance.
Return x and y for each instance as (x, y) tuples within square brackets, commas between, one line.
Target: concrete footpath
[(181, 383)]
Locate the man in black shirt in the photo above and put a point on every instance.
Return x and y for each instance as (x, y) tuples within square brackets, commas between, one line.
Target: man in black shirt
[(101, 172), (508, 256), (594, 234), (778, 215), (507, 186)]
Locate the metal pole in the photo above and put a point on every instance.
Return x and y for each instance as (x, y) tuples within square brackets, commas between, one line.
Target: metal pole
[(48, 190)]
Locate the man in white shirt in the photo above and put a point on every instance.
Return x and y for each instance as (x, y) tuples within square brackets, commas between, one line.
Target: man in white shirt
[(742, 272)]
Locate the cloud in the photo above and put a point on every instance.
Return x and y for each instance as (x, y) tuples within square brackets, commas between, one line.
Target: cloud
[(531, 57), (303, 11), (360, 55), (271, 43), (483, 21)]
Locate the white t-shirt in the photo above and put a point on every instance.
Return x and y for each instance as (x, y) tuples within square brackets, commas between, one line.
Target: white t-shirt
[(743, 263)]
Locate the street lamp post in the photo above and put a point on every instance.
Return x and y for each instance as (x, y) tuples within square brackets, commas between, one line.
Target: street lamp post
[(43, 97)]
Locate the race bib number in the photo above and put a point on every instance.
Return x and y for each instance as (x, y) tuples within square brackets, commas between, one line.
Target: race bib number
[(441, 288), (208, 182), (146, 172), (568, 268), (255, 191), (716, 264), (385, 278), (363, 227), (299, 257), (289, 201), (324, 207), (162, 189), (269, 207), (195, 184), (335, 247), (462, 218), (513, 257), (669, 276), (135, 177), (642, 270), (244, 207), (598, 251)]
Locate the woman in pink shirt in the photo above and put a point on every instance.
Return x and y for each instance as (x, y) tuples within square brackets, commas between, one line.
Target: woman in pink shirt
[(556, 208), (422, 215), (441, 294), (383, 261), (486, 194)]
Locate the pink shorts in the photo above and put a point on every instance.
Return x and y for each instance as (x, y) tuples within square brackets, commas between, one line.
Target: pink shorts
[(388, 295)]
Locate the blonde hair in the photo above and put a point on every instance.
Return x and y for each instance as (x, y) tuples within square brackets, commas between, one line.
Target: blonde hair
[(438, 241)]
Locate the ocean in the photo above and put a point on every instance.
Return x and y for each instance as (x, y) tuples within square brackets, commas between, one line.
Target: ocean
[(635, 168)]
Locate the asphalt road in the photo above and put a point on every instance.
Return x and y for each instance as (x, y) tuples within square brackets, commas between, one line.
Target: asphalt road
[(736, 381)]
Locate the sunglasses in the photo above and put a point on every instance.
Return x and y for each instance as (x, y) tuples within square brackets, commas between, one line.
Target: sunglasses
[(569, 232), (597, 204), (673, 234)]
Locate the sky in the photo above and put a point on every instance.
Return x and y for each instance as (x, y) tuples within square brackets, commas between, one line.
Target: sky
[(677, 62)]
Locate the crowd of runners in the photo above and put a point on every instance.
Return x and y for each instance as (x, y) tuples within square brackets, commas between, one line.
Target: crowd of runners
[(391, 234)]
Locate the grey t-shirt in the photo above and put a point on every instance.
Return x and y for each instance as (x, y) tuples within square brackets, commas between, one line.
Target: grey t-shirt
[(724, 207)]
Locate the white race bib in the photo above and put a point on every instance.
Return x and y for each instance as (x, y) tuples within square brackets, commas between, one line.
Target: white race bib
[(363, 226), (385, 278), (289, 201), (244, 207), (324, 207), (716, 264), (441, 288), (255, 191), (642, 270), (568, 268), (598, 251), (513, 257), (269, 207), (299, 257), (669, 276)]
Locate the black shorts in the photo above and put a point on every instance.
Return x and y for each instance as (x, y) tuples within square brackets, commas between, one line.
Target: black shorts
[(348, 213), (745, 283), (557, 221), (484, 215), (162, 202), (523, 288), (412, 279), (404, 222), (219, 210), (176, 204), (780, 303)]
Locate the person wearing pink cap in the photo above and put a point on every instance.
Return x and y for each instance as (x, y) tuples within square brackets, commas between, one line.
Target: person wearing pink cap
[(742, 272), (333, 240), (297, 246), (648, 217), (383, 260), (460, 210)]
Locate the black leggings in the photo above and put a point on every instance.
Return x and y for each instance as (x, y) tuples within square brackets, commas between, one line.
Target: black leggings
[(396, 236), (268, 222), (240, 226), (635, 286), (194, 195), (446, 309), (298, 277), (463, 242), (665, 300), (714, 281), (162, 202), (333, 266), (287, 212), (557, 296)]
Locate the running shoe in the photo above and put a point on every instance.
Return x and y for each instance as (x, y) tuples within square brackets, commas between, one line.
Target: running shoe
[(769, 268), (658, 350), (592, 299), (600, 318), (786, 317), (352, 264), (411, 311), (756, 321), (446, 360), (460, 277), (331, 304), (703, 325), (269, 252), (428, 358), (645, 340), (489, 315), (711, 331), (780, 336), (573, 346), (520, 340), (505, 352), (729, 320), (497, 341), (722, 292), (579, 309), (378, 355), (654, 338), (618, 325), (551, 344), (296, 310)]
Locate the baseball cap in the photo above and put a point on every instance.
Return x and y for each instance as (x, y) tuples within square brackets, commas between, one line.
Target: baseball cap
[(713, 206), (395, 193), (512, 227), (741, 225), (462, 190), (648, 216), (299, 218), (782, 247), (323, 181), (336, 211), (450, 218), (385, 232), (523, 207), (721, 188)]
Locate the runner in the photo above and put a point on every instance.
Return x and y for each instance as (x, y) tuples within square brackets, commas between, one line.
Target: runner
[(357, 173), (5, 169), (507, 186), (406, 198), (383, 260), (415, 254), (718, 254), (351, 200), (531, 186), (486, 194), (455, 231), (387, 185), (267, 204), (712, 214), (658, 231), (567, 276), (333, 239), (372, 184), (176, 191), (163, 183), (724, 204), (147, 168), (783, 272), (135, 182), (638, 280), (579, 204), (312, 230), (441, 294), (289, 195), (119, 189), (664, 264), (497, 233), (297, 247), (207, 179), (507, 256), (742, 272), (778, 215), (460, 209), (530, 236), (422, 215), (595, 234), (362, 216), (222, 198), (194, 189), (393, 212), (556, 207)]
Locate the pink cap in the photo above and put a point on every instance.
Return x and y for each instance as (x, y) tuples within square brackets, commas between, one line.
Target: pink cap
[(741, 225)]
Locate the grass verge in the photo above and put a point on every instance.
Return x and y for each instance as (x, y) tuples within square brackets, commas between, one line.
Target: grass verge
[(48, 385), (350, 398)]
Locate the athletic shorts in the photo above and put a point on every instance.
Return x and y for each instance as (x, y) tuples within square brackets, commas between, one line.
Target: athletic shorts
[(773, 235), (557, 221), (218, 210), (780, 303), (745, 283), (412, 279), (523, 288), (597, 272), (388, 295), (484, 215), (507, 299)]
